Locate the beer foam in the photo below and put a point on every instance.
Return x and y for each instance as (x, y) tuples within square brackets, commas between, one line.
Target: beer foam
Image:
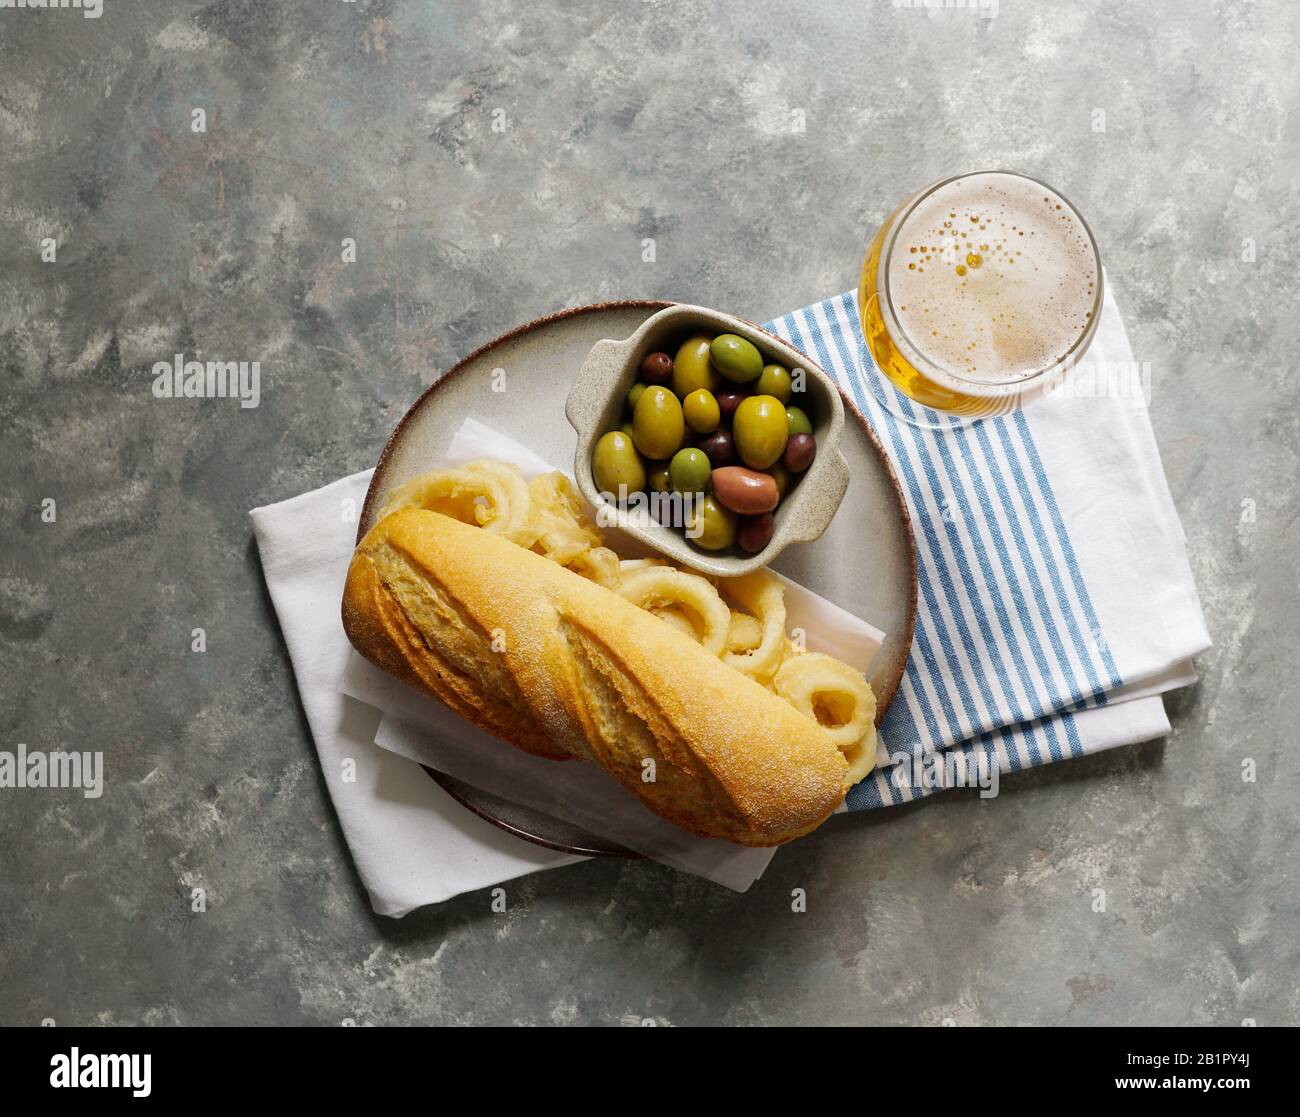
[(993, 277)]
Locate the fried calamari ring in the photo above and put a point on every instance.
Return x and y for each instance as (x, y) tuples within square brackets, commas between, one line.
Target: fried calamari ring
[(630, 566), (861, 758), (763, 597), (744, 633), (563, 530), (679, 618), (657, 587), (839, 699), (598, 564), (485, 494)]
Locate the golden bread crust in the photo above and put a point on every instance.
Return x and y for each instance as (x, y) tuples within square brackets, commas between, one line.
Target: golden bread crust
[(562, 667)]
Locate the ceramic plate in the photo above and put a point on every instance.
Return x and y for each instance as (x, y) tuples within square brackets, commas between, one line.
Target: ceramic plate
[(517, 384)]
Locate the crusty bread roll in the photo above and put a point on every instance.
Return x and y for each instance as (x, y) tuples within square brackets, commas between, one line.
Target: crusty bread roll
[(562, 667)]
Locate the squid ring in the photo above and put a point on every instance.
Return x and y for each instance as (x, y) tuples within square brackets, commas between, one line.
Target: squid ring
[(655, 587), (629, 566), (861, 758), (839, 699), (564, 534), (598, 564), (676, 616), (485, 494), (745, 633), (764, 597)]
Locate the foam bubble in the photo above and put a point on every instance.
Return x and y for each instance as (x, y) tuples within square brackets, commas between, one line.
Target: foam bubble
[(993, 277)]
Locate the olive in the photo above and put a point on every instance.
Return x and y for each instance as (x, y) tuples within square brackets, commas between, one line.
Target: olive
[(728, 400), (691, 368), (737, 359), (626, 428), (616, 465), (720, 447), (710, 525), (657, 423), (689, 471), (774, 380), (781, 476), (760, 429), (702, 412), (634, 394), (745, 490), (755, 532), (656, 368), (659, 479), (798, 420), (799, 452)]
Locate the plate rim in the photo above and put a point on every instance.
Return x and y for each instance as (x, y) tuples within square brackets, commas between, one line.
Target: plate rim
[(455, 788), (487, 347), (850, 406)]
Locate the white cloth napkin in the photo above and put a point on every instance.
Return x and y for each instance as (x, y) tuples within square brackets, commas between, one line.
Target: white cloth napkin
[(424, 731), (412, 843)]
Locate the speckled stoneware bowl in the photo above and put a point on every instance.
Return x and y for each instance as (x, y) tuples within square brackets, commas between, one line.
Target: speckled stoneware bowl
[(595, 405)]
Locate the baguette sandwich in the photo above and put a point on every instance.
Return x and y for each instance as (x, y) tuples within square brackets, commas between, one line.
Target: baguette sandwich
[(557, 664)]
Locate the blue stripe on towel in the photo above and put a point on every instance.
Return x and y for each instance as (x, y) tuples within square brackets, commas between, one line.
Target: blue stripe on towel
[(1005, 646), (959, 593)]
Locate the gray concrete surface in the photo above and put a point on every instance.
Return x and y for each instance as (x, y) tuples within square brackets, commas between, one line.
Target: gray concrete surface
[(671, 120)]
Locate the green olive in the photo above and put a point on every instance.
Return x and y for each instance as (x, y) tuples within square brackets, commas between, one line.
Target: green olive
[(660, 479), (689, 471), (702, 411), (774, 380), (634, 394), (626, 428), (711, 526), (798, 421), (657, 423), (691, 368), (781, 476), (616, 463), (737, 359), (760, 430)]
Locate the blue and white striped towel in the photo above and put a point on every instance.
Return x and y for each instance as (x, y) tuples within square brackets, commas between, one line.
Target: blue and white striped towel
[(1056, 602)]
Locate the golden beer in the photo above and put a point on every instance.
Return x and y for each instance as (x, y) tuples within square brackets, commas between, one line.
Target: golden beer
[(979, 292)]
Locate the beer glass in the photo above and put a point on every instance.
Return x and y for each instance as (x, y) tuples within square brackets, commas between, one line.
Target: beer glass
[(977, 295)]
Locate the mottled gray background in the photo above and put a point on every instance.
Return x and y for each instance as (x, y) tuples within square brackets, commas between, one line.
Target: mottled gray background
[(670, 120)]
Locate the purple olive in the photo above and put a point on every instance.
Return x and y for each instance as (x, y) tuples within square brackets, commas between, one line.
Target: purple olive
[(656, 368), (755, 532), (720, 448), (799, 452), (728, 400)]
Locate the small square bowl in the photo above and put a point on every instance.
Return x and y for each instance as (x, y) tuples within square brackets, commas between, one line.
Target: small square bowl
[(595, 405)]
